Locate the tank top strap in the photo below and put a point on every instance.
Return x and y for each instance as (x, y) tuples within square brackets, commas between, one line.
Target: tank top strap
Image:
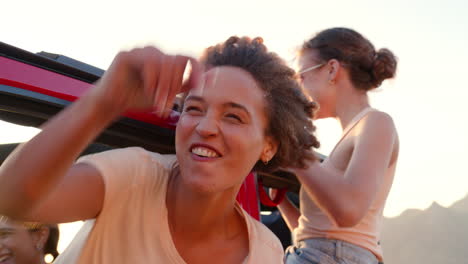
[(352, 124)]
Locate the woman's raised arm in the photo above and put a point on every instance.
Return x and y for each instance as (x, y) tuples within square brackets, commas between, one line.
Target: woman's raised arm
[(41, 172)]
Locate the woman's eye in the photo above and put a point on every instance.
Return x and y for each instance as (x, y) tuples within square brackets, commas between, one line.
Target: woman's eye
[(234, 117), (192, 109)]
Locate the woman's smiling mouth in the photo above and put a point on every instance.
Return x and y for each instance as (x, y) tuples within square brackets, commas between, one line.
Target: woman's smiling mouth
[(204, 151)]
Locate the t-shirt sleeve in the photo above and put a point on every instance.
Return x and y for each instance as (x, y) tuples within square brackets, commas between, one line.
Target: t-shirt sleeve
[(125, 169)]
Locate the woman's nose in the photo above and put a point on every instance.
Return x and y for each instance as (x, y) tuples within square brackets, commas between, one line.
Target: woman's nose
[(207, 127)]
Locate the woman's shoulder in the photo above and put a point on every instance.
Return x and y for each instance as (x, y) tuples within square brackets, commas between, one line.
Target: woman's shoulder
[(123, 153), (155, 163), (380, 126), (379, 116), (140, 154), (130, 163), (166, 160), (379, 120)]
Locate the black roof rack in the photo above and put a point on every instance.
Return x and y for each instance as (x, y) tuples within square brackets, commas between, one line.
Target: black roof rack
[(60, 64), (73, 63)]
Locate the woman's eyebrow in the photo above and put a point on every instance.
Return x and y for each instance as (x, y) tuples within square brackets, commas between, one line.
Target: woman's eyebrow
[(226, 105)]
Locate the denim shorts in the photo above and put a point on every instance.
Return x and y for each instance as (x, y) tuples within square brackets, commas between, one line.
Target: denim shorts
[(328, 251)]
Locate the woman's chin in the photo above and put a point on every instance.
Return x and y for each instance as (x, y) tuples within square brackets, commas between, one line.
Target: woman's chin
[(201, 184)]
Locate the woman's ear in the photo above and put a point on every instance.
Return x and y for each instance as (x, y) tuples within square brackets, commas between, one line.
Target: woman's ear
[(333, 70), (270, 149)]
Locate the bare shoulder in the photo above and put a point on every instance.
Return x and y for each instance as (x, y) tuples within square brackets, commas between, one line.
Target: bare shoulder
[(379, 122), (378, 129), (379, 118)]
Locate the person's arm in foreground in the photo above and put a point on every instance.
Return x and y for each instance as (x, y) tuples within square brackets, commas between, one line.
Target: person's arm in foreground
[(39, 181)]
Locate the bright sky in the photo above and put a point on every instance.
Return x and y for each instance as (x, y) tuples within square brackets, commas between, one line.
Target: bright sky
[(426, 99)]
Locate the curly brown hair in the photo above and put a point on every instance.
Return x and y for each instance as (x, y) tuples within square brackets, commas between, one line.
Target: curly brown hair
[(368, 67), (288, 110)]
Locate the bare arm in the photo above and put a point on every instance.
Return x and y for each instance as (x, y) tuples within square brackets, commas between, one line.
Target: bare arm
[(347, 198), (290, 214), (37, 186), (30, 174)]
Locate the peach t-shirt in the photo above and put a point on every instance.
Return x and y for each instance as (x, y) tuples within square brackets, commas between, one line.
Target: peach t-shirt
[(132, 226)]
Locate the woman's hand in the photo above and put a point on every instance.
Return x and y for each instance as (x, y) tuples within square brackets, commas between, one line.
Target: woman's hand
[(144, 79), (272, 193)]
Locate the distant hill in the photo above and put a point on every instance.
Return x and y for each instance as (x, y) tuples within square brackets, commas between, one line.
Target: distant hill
[(437, 235)]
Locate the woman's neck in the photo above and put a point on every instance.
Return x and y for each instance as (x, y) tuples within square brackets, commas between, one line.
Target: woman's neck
[(349, 106), (198, 215)]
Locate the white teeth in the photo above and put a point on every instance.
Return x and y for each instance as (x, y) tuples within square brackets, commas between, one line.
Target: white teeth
[(204, 152), (4, 258)]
